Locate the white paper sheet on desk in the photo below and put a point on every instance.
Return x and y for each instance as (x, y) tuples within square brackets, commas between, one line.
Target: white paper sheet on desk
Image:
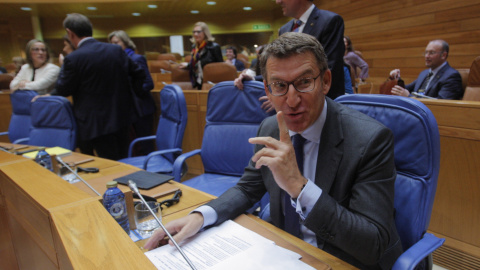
[(228, 246)]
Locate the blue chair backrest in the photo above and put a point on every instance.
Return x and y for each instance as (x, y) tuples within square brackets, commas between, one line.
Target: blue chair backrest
[(233, 116), (417, 157), (20, 122), (53, 123), (173, 119)]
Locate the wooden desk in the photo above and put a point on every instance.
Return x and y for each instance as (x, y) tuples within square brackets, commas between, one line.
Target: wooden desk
[(47, 223)]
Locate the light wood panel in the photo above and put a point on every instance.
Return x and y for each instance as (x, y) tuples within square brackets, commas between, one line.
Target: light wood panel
[(394, 34), (455, 214), (6, 112)]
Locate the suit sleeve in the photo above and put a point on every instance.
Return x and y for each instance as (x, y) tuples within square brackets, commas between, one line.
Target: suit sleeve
[(148, 82), (68, 79), (411, 86), (217, 54), (360, 225), (137, 77), (451, 87)]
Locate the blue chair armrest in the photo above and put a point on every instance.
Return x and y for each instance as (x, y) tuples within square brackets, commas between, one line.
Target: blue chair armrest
[(416, 253), (146, 138), (21, 140), (3, 133), (160, 152), (178, 164)]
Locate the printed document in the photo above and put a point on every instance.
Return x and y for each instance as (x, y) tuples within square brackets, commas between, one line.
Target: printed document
[(228, 246)]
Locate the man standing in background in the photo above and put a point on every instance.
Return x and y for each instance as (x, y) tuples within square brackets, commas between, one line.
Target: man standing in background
[(327, 27), (102, 80)]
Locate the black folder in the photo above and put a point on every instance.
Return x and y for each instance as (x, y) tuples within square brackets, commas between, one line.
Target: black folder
[(144, 179)]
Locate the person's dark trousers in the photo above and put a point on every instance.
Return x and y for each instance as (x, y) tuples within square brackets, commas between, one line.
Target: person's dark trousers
[(112, 146), (144, 127)]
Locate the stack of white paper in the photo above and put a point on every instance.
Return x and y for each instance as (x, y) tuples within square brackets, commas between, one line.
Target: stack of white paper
[(228, 246)]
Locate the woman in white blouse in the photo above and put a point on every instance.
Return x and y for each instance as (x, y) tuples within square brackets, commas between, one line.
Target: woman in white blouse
[(38, 74)]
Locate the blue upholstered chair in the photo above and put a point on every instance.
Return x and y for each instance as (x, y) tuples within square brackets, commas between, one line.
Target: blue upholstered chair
[(53, 123), (233, 116), (169, 137), (417, 160), (20, 122)]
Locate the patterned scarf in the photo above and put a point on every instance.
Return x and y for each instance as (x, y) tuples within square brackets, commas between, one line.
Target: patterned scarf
[(196, 52), (195, 68)]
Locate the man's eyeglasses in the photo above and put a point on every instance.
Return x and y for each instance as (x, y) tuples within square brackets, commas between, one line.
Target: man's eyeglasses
[(172, 201), (39, 49), (430, 53), (302, 85), (196, 32)]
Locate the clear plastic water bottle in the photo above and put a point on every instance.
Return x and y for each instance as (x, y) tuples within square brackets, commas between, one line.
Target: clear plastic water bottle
[(114, 202), (44, 159)]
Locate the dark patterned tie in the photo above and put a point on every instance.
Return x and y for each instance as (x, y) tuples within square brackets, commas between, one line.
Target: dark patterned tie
[(292, 221), (296, 26), (425, 83)]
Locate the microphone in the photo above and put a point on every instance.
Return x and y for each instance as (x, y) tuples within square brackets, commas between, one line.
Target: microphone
[(59, 159), (134, 188)]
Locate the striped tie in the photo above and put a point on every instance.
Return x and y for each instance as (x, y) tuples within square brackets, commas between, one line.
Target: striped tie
[(296, 26)]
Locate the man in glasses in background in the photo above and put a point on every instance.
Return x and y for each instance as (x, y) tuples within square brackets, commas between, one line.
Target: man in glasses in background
[(333, 186), (440, 80)]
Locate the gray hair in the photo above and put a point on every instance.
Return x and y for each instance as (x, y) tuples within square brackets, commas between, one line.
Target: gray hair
[(123, 36), (78, 24), (292, 43)]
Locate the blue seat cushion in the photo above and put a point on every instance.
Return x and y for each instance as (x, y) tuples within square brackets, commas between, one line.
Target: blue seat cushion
[(157, 164), (214, 184)]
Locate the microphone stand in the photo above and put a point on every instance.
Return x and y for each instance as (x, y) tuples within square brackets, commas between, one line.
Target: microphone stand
[(59, 159), (134, 188)]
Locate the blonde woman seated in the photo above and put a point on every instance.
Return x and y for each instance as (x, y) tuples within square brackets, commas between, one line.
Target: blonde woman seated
[(38, 74)]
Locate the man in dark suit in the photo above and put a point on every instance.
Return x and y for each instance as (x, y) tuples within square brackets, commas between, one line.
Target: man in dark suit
[(101, 79), (343, 201), (440, 80), (231, 54), (327, 27)]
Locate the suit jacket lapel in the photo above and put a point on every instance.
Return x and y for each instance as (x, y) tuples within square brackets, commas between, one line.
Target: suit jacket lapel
[(310, 25), (436, 78), (330, 151)]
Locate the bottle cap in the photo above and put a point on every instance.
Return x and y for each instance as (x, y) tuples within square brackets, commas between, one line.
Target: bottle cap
[(111, 184)]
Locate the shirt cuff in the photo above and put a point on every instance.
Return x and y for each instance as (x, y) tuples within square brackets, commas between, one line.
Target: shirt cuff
[(307, 199), (209, 215)]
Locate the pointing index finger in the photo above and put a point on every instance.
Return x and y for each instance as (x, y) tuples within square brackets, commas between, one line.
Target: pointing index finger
[(282, 127)]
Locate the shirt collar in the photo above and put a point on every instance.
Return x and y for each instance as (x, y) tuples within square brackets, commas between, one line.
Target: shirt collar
[(83, 40), (438, 68), (306, 15), (314, 132)]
